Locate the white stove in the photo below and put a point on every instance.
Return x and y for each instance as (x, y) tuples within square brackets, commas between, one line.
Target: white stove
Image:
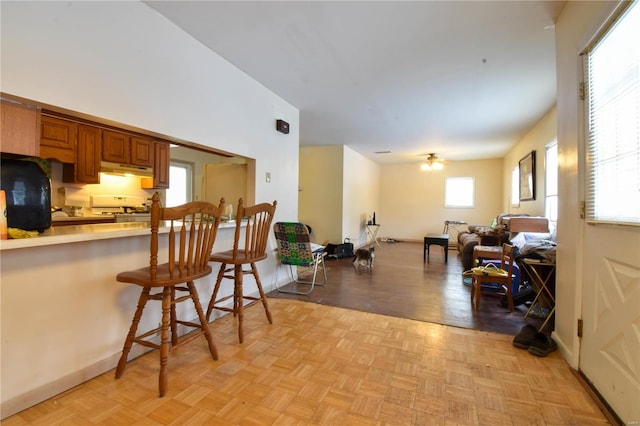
[(124, 208)]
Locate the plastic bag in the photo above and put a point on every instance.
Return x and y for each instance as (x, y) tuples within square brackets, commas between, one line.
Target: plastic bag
[(487, 270)]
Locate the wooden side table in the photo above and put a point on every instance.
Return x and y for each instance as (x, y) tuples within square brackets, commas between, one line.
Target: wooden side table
[(372, 234), (543, 278), (437, 239)]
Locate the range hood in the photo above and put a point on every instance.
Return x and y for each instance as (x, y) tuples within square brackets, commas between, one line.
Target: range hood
[(125, 169)]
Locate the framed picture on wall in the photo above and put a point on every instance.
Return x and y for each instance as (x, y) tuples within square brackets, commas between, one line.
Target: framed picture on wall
[(528, 177)]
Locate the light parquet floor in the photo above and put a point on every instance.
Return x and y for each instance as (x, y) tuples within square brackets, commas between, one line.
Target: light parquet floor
[(326, 365)]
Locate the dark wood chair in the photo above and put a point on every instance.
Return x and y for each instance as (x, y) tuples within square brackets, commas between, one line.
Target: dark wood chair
[(495, 285), (249, 246), (192, 232)]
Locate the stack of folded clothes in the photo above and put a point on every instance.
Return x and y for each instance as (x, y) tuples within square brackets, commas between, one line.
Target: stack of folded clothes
[(535, 342)]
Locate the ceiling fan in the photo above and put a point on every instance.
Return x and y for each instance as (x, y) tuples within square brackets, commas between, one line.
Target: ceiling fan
[(432, 163)]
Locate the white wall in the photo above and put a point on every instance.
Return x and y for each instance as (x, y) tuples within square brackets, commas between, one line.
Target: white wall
[(123, 62), (536, 139), (412, 200), (361, 195), (339, 189), (578, 21), (320, 194)]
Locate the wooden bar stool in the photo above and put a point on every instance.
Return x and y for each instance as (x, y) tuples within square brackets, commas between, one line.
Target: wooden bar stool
[(253, 237), (192, 232)]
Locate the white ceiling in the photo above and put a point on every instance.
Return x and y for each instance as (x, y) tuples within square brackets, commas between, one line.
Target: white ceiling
[(463, 79)]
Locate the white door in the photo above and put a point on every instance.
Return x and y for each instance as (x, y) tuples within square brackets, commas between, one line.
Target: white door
[(610, 347)]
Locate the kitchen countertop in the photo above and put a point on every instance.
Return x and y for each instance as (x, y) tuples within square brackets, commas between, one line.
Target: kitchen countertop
[(78, 233)]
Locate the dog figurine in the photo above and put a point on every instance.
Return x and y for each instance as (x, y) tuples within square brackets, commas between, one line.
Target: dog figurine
[(364, 257)]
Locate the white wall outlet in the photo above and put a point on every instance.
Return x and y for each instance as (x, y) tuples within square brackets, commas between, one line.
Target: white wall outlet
[(267, 177)]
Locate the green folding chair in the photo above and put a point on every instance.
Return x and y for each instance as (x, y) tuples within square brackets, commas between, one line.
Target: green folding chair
[(295, 249)]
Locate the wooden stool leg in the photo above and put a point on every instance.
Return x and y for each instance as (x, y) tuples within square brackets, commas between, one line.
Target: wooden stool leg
[(237, 290), (215, 291), (478, 293), (475, 292), (164, 339), (510, 298), (472, 293), (203, 321), (173, 319), (238, 304), (142, 301), (263, 297)]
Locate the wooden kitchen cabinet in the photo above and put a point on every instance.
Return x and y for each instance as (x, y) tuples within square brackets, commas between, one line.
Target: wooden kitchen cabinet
[(161, 165), (123, 148), (142, 152), (20, 128), (115, 147), (86, 168), (58, 139)]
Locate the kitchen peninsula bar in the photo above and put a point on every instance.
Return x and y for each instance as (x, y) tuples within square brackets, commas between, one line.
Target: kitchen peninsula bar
[(92, 232), (63, 315)]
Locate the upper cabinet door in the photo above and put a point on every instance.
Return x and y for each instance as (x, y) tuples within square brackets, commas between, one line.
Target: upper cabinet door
[(115, 147), (161, 167), (86, 169), (141, 152), (88, 158), (20, 129), (58, 139)]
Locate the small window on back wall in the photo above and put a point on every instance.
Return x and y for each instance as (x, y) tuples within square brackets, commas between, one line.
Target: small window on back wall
[(459, 192)]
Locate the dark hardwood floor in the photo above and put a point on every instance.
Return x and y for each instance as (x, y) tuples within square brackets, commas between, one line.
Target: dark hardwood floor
[(401, 285)]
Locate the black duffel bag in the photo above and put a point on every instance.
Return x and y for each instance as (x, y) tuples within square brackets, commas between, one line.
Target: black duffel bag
[(345, 249), (340, 251)]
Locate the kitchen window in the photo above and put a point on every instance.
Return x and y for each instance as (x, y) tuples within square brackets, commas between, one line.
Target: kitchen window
[(180, 190), (551, 183)]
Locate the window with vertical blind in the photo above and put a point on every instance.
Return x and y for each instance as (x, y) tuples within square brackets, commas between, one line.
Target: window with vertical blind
[(551, 183), (612, 65), (515, 186)]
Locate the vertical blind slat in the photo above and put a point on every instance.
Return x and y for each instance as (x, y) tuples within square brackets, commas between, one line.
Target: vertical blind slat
[(613, 123)]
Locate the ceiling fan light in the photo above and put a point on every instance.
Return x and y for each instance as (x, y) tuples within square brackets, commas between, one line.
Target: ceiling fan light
[(432, 163)]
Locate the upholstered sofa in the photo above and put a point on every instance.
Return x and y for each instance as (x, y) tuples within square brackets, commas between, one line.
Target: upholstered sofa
[(507, 225)]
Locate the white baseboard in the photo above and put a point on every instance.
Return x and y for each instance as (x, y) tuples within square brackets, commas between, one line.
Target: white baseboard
[(49, 390)]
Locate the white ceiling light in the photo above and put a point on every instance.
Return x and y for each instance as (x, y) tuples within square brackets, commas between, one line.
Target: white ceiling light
[(432, 163)]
